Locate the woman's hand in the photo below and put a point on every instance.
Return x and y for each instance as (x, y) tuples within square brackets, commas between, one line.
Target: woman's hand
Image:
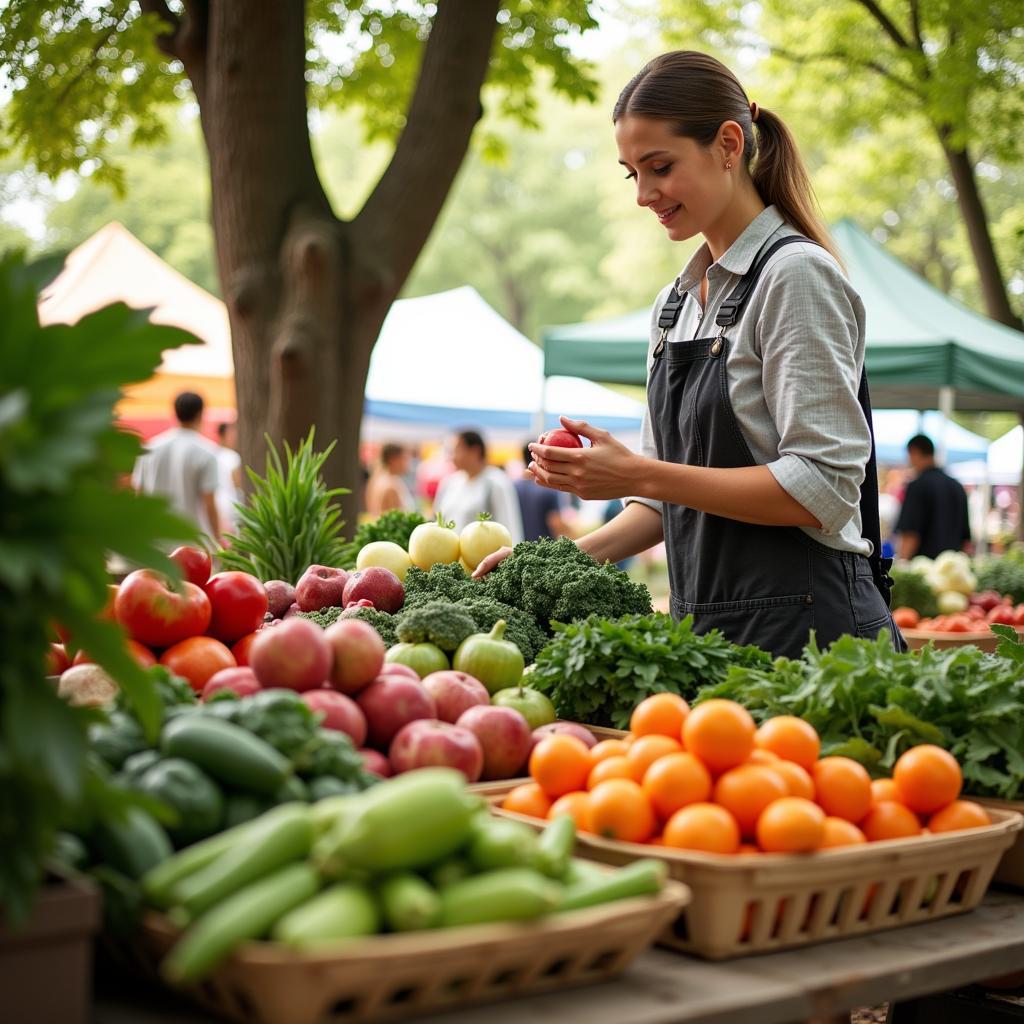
[(607, 469), (490, 562)]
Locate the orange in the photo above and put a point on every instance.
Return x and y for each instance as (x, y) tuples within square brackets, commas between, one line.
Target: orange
[(842, 787), (746, 791), (674, 781), (645, 750), (702, 826), (619, 809), (610, 768), (662, 714), (759, 756), (791, 825), (957, 815), (608, 748), (791, 738), (577, 806), (840, 832), (528, 798), (720, 733), (797, 781), (890, 820), (560, 764), (884, 789), (927, 778)]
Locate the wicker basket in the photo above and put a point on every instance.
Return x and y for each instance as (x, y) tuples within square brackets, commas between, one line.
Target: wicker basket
[(1011, 868), (917, 638), (395, 976), (766, 902)]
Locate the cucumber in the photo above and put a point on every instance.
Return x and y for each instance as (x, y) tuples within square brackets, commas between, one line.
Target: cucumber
[(344, 911), (409, 903), (247, 914), (497, 843), (449, 871), (326, 814), (231, 754), (511, 894), (408, 822), (641, 878), (134, 842), (555, 846), (278, 838), (580, 870)]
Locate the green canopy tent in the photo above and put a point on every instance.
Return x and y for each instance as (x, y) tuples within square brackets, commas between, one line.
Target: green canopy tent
[(924, 349)]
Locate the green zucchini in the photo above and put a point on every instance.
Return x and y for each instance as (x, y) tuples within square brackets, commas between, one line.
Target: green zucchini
[(511, 894), (409, 903), (133, 842), (344, 911), (641, 878)]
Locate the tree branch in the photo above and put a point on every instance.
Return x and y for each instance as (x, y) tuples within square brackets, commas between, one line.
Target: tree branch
[(888, 26), (915, 23), (164, 40), (846, 59), (184, 38), (401, 211)]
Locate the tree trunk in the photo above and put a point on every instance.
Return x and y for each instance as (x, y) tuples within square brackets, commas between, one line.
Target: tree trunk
[(993, 288)]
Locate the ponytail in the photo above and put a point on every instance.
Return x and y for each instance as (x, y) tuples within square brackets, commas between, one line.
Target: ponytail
[(696, 94)]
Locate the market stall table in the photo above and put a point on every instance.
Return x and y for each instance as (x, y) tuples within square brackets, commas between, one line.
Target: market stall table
[(665, 988)]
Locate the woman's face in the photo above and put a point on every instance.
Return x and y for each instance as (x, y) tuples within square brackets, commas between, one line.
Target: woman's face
[(680, 181)]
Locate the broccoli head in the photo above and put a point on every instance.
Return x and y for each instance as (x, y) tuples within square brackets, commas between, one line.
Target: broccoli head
[(383, 622), (435, 622)]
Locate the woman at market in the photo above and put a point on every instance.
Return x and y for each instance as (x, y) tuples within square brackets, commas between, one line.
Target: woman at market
[(756, 459)]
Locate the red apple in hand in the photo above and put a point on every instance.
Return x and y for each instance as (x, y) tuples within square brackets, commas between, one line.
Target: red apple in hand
[(195, 564), (560, 438)]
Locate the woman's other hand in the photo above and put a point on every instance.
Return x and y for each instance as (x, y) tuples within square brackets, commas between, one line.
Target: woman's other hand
[(492, 560), (607, 469)]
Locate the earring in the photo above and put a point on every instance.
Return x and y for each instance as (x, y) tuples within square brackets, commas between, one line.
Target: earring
[(728, 165)]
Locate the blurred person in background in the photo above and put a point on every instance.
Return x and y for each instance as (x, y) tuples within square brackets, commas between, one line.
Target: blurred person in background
[(476, 487), (229, 474), (182, 465), (540, 507), (934, 516), (386, 488)]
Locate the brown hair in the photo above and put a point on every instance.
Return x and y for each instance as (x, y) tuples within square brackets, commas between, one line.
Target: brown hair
[(697, 94), (390, 451)]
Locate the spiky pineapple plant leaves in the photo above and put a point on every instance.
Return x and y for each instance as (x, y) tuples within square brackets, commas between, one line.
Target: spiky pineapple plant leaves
[(63, 508), (290, 520)]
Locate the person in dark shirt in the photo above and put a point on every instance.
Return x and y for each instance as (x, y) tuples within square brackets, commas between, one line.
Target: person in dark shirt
[(540, 506), (934, 514)]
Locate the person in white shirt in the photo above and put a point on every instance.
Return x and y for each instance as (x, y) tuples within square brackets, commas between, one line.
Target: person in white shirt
[(475, 487), (229, 474), (181, 465)]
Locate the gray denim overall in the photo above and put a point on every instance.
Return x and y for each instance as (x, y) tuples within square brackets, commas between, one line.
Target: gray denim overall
[(764, 585)]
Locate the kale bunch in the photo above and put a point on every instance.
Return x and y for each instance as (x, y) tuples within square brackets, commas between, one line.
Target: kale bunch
[(440, 623), (383, 622), (554, 581), (449, 582), (520, 627)]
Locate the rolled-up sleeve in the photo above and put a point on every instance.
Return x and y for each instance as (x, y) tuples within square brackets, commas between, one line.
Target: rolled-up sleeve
[(808, 335)]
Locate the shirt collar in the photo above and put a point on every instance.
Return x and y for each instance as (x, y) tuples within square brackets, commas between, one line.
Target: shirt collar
[(739, 257)]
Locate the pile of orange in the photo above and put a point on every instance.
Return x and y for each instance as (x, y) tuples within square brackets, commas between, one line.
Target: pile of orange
[(708, 779)]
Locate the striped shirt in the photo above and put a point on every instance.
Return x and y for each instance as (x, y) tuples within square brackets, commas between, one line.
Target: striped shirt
[(794, 364)]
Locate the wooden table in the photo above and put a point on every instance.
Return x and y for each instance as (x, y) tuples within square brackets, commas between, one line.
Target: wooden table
[(816, 983)]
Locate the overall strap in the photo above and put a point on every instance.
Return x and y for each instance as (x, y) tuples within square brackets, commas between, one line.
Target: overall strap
[(729, 311)]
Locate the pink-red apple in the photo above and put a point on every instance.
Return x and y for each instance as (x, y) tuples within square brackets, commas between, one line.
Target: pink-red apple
[(390, 702), (396, 668), (321, 586), (241, 680), (504, 738), (294, 655), (427, 743), (455, 692), (376, 763), (357, 654), (340, 713), (280, 597), (561, 438), (581, 732), (376, 584)]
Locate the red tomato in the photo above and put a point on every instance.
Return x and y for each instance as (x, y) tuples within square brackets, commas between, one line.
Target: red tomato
[(906, 618), (1003, 614), (959, 623), (142, 654), (1019, 617), (240, 648), (239, 604), (195, 564), (156, 615), (56, 660), (197, 659)]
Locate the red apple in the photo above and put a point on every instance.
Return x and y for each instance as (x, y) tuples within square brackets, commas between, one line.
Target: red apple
[(429, 742), (321, 586), (196, 564), (241, 680), (340, 713), (158, 616), (560, 438), (294, 655), (390, 702), (396, 668), (280, 597), (357, 653), (455, 692), (376, 763), (376, 584), (581, 732), (504, 738)]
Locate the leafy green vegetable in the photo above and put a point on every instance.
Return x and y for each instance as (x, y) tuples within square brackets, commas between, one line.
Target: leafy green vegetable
[(395, 526), (1003, 574), (333, 755), (911, 589), (871, 703), (281, 718), (383, 622), (435, 622), (597, 671)]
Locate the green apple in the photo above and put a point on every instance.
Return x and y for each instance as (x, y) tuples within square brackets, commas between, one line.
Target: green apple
[(384, 554), (530, 703)]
